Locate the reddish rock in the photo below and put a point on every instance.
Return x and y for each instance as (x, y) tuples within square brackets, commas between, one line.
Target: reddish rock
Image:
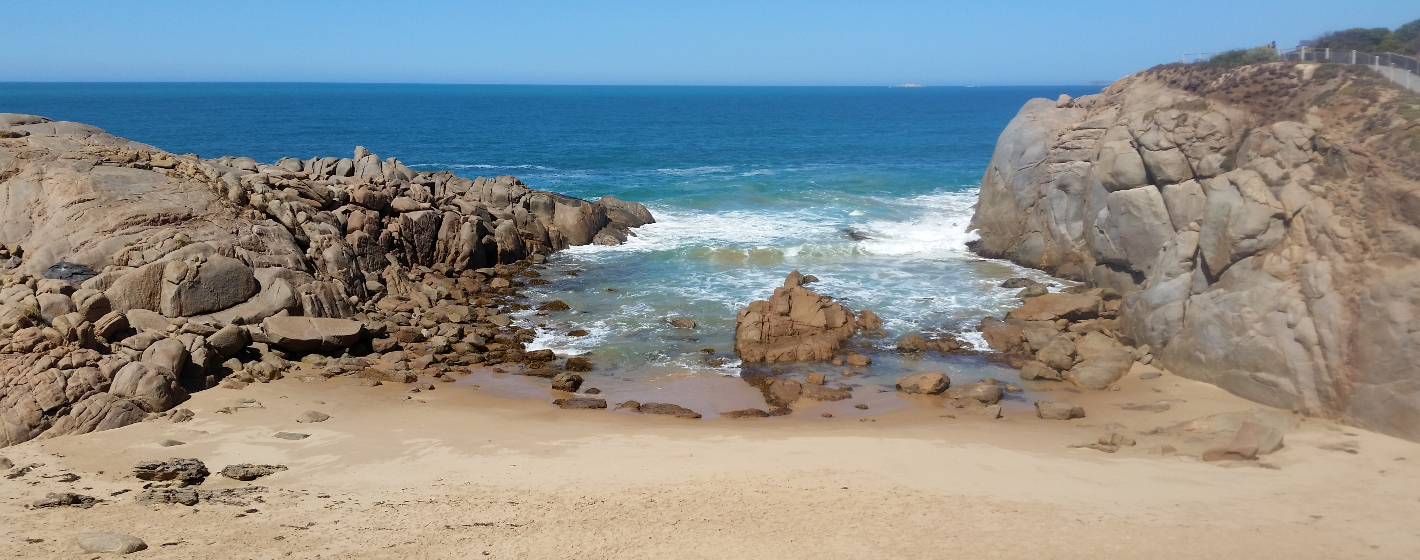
[(794, 325)]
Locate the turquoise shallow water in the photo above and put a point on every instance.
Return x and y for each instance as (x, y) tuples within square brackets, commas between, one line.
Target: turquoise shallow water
[(869, 189)]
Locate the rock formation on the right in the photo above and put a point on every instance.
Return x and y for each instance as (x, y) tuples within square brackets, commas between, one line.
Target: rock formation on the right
[(1262, 223)]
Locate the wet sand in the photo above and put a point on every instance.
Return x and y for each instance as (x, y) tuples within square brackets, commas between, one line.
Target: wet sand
[(460, 473)]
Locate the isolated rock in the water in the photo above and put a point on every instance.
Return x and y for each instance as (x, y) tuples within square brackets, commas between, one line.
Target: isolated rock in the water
[(312, 416), (248, 471), (1018, 283), (794, 325), (911, 343), (666, 409), (53, 499), (683, 323), (821, 393), (869, 321), (567, 381), (109, 543), (1047, 410), (930, 383), (184, 471), (580, 403), (988, 391)]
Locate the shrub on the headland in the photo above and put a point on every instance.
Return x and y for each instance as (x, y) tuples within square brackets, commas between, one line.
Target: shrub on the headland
[(1404, 40), (1242, 57)]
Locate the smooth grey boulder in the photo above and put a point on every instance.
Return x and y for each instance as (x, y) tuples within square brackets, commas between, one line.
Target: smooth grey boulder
[(169, 353), (632, 214), (52, 306), (229, 340), (1242, 217), (109, 543), (1047, 410), (1167, 166), (987, 391), (143, 319), (1120, 167), (1185, 202), (311, 334), (140, 288)]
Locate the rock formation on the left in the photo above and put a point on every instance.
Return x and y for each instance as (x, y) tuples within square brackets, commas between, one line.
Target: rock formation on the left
[(128, 274)]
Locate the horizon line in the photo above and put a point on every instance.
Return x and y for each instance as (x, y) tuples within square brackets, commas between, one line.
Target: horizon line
[(513, 84)]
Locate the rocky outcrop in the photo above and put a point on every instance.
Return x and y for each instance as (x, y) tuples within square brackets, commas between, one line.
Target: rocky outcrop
[(130, 277), (793, 325), (1260, 224)]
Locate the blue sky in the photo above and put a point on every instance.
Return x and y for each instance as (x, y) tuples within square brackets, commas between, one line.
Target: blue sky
[(762, 42)]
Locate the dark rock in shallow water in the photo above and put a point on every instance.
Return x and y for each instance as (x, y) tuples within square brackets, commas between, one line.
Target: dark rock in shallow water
[(578, 363), (668, 410), (567, 381), (1018, 283), (745, 413), (64, 270), (580, 403)]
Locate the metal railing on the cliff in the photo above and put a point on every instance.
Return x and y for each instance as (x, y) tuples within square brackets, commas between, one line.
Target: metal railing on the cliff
[(1402, 70)]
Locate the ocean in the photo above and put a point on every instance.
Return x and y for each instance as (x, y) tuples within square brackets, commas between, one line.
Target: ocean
[(869, 189)]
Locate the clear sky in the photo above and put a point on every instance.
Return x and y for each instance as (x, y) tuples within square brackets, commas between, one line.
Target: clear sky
[(735, 42)]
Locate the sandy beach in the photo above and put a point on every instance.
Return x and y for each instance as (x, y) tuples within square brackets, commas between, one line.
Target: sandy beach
[(454, 473)]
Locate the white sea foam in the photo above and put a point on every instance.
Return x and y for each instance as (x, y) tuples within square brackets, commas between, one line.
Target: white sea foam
[(692, 171), (939, 230)]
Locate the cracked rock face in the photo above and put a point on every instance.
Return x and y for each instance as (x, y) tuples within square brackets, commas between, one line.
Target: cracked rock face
[(1260, 222), (794, 325)]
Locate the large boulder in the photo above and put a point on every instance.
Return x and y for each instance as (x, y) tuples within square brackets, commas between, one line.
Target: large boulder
[(198, 284), (1050, 307), (311, 334), (794, 325), (153, 387)]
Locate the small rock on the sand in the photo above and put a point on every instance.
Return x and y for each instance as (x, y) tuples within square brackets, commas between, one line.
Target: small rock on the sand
[(987, 391), (181, 415), (1163, 449), (312, 416), (1351, 447), (745, 413), (816, 378), (582, 403), (668, 410), (64, 499), (1096, 446), (1117, 440), (859, 360), (6, 463), (171, 443), (827, 415), (593, 391), (1251, 440), (248, 403), (1149, 374), (578, 363), (566, 381), (184, 471), (1047, 410), (290, 435), (1157, 406), (112, 543), (930, 383), (248, 471), (861, 406), (368, 383)]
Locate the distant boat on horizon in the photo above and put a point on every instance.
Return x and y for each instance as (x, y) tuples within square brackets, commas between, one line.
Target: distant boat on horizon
[(905, 85)]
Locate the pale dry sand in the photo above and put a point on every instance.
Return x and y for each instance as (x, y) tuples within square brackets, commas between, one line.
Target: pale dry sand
[(466, 475)]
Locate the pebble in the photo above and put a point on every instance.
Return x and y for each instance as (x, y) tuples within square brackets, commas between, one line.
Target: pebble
[(291, 435), (861, 406), (171, 443), (312, 416)]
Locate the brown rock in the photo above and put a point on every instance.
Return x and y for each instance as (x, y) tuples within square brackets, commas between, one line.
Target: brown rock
[(821, 393), (1050, 307), (782, 392), (930, 383), (794, 325), (1047, 410), (911, 344), (1101, 370), (1034, 370), (987, 391), (311, 334), (1252, 439), (745, 413), (668, 410)]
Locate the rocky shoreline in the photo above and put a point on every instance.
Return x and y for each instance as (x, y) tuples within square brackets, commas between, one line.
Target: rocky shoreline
[(131, 277)]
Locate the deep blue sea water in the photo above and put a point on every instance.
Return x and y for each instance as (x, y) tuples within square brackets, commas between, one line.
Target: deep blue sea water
[(747, 183)]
